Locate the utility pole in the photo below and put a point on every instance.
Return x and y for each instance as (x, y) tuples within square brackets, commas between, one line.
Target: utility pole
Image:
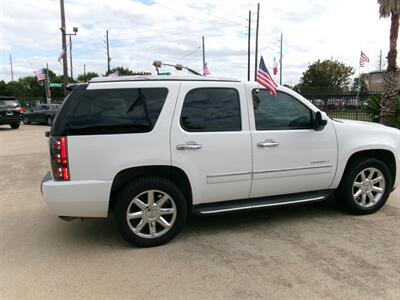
[(204, 55), (256, 54), (64, 47), (108, 53), (380, 60), (11, 69), (248, 48), (84, 72), (70, 56), (280, 62)]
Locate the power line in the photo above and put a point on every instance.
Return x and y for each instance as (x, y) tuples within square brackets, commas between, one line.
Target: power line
[(190, 53)]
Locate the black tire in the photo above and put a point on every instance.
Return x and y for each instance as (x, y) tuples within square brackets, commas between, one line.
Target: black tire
[(138, 187), (49, 121), (26, 121), (344, 193), (14, 125)]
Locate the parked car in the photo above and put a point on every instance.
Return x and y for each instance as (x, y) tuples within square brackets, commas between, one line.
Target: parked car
[(151, 150), (41, 113), (11, 112)]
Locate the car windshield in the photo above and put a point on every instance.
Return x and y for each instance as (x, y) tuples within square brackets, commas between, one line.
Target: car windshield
[(8, 103)]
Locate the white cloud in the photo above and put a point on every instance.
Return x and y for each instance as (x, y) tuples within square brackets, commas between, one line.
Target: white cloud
[(142, 31)]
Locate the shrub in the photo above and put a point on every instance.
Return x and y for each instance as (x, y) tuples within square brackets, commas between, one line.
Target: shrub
[(374, 109)]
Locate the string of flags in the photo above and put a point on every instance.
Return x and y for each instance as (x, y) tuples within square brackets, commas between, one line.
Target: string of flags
[(63, 52), (206, 71), (113, 75)]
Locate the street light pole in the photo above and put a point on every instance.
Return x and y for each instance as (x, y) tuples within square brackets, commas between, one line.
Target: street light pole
[(64, 46), (70, 57), (75, 30)]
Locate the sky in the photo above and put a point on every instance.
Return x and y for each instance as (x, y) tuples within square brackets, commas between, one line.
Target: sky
[(141, 31)]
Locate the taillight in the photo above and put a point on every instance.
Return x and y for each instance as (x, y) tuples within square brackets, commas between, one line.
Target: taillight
[(59, 157), (21, 110)]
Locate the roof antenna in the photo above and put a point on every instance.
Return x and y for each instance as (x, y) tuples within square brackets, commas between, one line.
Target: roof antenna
[(157, 64)]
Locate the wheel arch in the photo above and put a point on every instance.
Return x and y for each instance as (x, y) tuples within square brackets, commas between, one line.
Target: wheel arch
[(384, 155), (172, 173)]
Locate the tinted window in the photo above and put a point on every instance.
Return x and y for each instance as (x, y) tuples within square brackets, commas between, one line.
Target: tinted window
[(279, 112), (109, 111), (8, 103), (211, 109)]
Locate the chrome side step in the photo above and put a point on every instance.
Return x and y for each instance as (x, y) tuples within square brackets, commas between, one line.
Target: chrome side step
[(259, 203)]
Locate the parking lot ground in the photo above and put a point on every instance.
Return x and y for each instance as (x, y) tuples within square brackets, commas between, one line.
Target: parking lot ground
[(305, 252)]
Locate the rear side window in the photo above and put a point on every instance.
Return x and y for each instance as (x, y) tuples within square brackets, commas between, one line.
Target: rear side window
[(211, 109), (110, 111)]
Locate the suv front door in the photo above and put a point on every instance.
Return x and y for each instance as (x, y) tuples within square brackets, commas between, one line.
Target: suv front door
[(289, 156), (210, 140)]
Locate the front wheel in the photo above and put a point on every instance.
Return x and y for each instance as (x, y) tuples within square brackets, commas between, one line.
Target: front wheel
[(14, 125), (365, 186), (150, 212)]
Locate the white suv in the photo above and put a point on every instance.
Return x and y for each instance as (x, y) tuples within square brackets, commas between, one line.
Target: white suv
[(151, 150)]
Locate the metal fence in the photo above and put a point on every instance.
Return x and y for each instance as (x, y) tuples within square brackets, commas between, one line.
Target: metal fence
[(32, 101), (348, 105)]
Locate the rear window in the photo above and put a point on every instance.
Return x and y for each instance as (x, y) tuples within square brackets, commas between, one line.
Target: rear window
[(109, 111), (8, 103)]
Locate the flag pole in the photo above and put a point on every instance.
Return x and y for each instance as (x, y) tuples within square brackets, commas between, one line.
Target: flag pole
[(48, 97)]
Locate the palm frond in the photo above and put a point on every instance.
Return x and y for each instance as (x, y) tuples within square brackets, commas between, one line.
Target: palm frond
[(387, 7)]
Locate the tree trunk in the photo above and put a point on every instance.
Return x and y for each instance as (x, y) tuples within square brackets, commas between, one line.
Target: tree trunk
[(389, 99)]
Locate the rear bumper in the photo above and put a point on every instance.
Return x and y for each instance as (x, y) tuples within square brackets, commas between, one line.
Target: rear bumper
[(82, 198), (11, 119)]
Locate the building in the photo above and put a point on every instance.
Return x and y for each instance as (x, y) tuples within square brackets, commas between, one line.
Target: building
[(375, 81)]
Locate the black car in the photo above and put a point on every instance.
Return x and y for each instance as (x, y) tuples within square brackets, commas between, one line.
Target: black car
[(11, 112), (42, 113)]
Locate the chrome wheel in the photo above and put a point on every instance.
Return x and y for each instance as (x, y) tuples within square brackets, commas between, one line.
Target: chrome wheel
[(151, 214), (369, 187)]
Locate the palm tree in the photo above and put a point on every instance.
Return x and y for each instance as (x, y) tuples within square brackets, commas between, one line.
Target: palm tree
[(390, 8)]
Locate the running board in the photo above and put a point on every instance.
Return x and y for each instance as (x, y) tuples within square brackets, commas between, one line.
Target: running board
[(259, 203)]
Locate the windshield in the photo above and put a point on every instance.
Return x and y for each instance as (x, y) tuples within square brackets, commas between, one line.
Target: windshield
[(8, 103)]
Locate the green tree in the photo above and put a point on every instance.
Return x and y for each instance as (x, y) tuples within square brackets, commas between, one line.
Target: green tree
[(326, 76), (390, 8), (360, 84), (121, 71), (89, 75), (125, 71)]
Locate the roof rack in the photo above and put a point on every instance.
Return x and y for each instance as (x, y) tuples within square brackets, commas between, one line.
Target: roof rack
[(161, 78)]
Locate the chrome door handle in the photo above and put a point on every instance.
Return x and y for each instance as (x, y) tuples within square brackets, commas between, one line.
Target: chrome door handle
[(189, 146), (268, 144)]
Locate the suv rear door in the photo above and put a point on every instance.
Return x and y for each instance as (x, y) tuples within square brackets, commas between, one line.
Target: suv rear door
[(210, 140)]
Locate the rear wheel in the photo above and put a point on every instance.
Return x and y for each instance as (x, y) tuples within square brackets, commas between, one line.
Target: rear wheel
[(49, 121), (150, 212), (14, 125), (26, 120), (365, 186)]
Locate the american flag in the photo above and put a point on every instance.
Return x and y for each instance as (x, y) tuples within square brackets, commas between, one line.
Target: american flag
[(265, 79), (113, 75), (40, 75), (206, 71), (363, 59)]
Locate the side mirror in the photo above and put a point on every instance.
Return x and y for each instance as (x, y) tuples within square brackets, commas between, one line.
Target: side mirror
[(319, 121)]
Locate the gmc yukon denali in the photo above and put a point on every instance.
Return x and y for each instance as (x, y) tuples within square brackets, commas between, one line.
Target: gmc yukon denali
[(152, 150)]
